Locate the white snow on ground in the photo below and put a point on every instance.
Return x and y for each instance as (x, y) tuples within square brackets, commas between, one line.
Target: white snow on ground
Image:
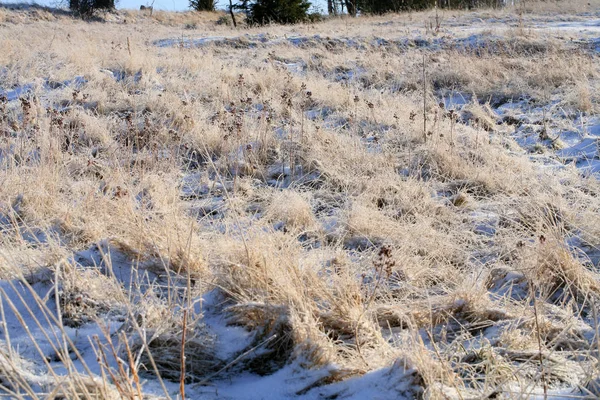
[(33, 333), (293, 381), (31, 328), (45, 86), (578, 145), (460, 36)]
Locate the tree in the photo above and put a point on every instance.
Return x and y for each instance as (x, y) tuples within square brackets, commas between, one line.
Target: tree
[(232, 13), (87, 8), (280, 11), (351, 7), (202, 5), (386, 6), (334, 6)]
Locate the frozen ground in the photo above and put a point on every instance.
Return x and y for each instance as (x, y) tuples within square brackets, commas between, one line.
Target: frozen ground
[(569, 138), (48, 340)]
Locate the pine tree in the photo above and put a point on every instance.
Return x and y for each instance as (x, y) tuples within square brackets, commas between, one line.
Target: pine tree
[(279, 11), (87, 8), (202, 5)]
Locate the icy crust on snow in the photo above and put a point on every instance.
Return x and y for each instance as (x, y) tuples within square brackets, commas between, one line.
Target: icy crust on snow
[(293, 381)]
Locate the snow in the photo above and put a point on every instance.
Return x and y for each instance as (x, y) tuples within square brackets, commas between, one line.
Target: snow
[(474, 37), (578, 147), (244, 41), (294, 381), (567, 140), (456, 100), (47, 85), (31, 317), (231, 339), (294, 67), (586, 149), (34, 320), (486, 223), (17, 92)]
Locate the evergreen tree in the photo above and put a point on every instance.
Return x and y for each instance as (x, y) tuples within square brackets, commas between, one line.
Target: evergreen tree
[(278, 11), (86, 8), (202, 5), (386, 6)]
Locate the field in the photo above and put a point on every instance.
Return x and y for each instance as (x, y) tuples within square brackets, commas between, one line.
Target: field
[(398, 207)]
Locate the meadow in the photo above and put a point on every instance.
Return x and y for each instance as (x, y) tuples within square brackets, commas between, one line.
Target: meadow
[(398, 206)]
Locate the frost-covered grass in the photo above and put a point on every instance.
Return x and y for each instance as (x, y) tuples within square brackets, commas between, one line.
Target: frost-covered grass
[(369, 208)]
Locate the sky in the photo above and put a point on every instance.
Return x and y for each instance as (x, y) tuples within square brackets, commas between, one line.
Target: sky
[(170, 5)]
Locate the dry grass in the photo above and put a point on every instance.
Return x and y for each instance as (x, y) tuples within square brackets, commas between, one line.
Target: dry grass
[(295, 184)]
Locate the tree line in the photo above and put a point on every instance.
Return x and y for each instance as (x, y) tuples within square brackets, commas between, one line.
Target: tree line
[(354, 7), (293, 11)]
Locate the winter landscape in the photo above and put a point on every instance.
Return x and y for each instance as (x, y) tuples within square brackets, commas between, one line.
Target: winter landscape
[(381, 207)]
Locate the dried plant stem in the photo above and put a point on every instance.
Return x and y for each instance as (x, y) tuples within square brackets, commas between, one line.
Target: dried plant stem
[(597, 330), (106, 366), (133, 366), (182, 378), (539, 339), (424, 102), (439, 355), (5, 328)]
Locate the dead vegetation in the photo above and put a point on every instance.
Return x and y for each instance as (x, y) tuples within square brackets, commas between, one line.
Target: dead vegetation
[(319, 198)]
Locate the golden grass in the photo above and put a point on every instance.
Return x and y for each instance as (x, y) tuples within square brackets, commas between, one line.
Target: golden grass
[(353, 237)]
